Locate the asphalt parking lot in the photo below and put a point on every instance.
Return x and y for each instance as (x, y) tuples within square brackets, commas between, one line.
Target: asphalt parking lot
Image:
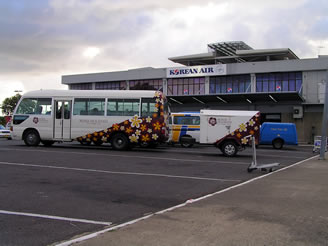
[(52, 194)]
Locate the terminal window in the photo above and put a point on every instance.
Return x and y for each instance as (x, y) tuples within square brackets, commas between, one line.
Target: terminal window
[(230, 84), (279, 82), (186, 86), (150, 84), (81, 86), (113, 85)]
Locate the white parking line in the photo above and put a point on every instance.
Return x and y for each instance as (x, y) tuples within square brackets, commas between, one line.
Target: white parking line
[(259, 151), (95, 234), (120, 173), (55, 217), (127, 156)]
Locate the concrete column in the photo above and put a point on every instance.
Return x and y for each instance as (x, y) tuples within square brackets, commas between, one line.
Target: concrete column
[(165, 86), (93, 85), (207, 85), (127, 85), (253, 82), (324, 123)]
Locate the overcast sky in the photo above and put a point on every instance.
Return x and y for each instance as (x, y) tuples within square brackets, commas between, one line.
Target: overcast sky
[(41, 40)]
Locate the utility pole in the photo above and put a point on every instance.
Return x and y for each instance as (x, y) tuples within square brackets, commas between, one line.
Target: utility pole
[(324, 123)]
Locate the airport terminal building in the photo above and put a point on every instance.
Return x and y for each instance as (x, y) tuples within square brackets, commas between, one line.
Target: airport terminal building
[(231, 76)]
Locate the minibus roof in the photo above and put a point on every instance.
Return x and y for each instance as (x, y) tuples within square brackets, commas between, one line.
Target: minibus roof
[(91, 93)]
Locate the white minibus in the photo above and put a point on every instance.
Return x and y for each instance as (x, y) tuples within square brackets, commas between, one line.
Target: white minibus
[(122, 118)]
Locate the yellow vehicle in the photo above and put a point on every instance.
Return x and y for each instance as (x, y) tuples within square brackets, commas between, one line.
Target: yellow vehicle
[(184, 128)]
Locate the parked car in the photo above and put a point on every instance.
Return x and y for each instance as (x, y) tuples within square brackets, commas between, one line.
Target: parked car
[(5, 133), (278, 134)]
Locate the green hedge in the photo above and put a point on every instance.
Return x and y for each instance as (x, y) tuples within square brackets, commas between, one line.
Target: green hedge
[(2, 121)]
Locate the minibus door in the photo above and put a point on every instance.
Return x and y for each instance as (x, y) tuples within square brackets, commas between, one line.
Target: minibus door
[(62, 129)]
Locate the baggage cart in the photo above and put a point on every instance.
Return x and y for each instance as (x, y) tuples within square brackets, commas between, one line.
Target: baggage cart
[(317, 144)]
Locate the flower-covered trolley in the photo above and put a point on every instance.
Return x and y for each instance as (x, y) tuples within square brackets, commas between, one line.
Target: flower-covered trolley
[(229, 130)]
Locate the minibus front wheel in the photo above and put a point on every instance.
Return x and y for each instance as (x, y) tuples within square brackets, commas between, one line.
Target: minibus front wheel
[(31, 138)]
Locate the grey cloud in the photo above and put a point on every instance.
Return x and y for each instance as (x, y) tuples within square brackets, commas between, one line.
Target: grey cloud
[(45, 45), (50, 38)]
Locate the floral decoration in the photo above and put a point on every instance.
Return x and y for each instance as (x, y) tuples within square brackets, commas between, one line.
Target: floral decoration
[(245, 131), (138, 129)]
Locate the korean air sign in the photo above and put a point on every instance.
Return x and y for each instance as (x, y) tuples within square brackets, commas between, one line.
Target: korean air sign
[(196, 71)]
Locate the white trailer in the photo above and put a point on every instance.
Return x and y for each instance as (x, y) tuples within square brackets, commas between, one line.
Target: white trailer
[(229, 130)]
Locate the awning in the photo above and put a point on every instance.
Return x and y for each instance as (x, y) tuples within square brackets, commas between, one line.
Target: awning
[(252, 98)]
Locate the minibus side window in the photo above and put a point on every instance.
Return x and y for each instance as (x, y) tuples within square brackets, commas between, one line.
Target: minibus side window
[(40, 106), (148, 107), (123, 107), (89, 106)]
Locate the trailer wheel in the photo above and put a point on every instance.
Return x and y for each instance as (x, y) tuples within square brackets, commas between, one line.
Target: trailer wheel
[(229, 149), (32, 138), (120, 142), (278, 143)]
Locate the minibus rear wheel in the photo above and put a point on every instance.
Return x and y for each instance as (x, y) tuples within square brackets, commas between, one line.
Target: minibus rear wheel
[(120, 142), (32, 138)]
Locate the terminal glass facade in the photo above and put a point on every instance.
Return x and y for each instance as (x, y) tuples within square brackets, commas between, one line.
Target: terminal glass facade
[(150, 84), (113, 85), (186, 86), (230, 84), (279, 82), (81, 86)]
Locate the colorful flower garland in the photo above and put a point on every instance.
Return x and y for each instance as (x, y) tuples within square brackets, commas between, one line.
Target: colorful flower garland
[(137, 129)]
